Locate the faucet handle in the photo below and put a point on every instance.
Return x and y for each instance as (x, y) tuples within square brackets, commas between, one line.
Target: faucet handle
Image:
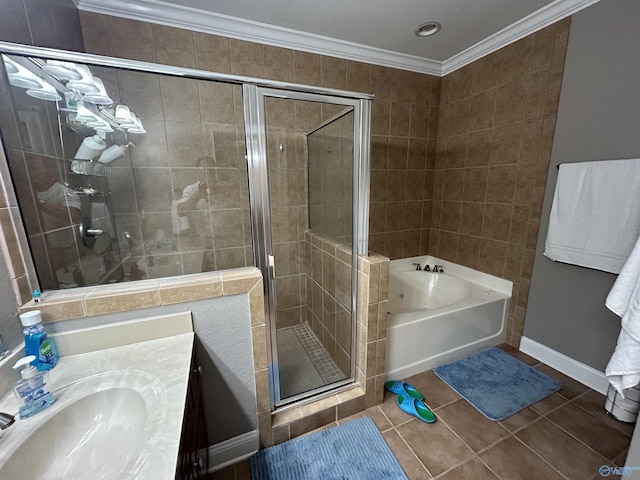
[(6, 420), (438, 268), (417, 266)]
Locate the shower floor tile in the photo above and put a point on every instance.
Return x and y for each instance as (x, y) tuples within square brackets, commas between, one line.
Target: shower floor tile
[(303, 361), (319, 355), (565, 437)]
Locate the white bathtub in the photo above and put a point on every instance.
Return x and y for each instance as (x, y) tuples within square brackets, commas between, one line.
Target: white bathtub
[(435, 318)]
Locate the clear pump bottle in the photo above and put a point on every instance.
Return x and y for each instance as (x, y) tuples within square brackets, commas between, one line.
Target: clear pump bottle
[(32, 392)]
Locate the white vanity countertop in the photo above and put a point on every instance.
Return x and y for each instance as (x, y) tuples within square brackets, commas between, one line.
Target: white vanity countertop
[(138, 388)]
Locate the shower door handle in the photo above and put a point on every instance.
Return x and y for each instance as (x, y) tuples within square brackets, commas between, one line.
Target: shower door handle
[(271, 264)]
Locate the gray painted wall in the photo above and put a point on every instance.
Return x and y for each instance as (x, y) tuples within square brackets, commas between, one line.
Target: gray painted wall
[(598, 119)]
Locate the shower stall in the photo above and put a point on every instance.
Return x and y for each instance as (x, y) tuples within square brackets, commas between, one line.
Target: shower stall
[(126, 170)]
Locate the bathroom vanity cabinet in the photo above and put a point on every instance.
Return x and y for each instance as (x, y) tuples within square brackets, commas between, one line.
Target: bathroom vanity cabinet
[(192, 457)]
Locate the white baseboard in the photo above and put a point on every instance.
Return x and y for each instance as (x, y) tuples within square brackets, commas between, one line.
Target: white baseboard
[(580, 372), (232, 451)]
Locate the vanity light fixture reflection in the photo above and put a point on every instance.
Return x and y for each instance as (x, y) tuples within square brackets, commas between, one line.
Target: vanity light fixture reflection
[(44, 92), (9, 65), (62, 70), (123, 114), (137, 128), (101, 97), (85, 84), (20, 76)]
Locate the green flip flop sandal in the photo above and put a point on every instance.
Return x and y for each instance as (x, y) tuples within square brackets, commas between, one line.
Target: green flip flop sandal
[(403, 388), (415, 407)]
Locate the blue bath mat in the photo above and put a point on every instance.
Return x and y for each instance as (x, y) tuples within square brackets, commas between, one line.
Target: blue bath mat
[(496, 383), (354, 451)]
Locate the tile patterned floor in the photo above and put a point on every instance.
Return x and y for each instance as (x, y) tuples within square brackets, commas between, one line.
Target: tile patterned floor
[(564, 436)]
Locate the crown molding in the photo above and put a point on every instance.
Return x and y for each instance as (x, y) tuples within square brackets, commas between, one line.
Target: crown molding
[(172, 15), (178, 16), (538, 20)]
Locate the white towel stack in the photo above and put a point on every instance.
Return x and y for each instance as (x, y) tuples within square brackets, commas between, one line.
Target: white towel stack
[(595, 216), (623, 370)]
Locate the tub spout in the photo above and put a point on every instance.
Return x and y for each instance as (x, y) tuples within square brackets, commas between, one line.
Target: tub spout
[(418, 266)]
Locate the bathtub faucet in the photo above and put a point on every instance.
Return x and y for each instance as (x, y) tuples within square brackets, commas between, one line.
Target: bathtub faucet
[(438, 268), (418, 266)]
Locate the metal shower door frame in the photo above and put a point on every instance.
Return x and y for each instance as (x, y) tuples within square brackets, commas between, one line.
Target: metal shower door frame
[(256, 140)]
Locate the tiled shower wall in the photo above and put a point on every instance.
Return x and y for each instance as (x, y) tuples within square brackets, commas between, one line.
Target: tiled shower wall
[(328, 304), (497, 120)]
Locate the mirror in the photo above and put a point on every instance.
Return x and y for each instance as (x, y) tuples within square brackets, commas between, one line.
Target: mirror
[(104, 161)]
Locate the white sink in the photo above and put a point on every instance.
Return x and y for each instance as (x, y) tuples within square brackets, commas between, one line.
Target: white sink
[(119, 407), (100, 428)]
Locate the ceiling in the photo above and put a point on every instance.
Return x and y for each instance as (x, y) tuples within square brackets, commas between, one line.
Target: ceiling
[(373, 31)]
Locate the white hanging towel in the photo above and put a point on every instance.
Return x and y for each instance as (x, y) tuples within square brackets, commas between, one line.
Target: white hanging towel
[(595, 214), (623, 370)]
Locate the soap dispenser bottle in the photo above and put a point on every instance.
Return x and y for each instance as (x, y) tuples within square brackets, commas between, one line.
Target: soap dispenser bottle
[(36, 341), (32, 392)]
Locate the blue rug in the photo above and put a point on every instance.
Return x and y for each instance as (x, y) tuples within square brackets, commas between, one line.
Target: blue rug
[(496, 383), (353, 451)]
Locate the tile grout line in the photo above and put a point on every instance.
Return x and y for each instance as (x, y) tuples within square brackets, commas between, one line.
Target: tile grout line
[(593, 415), (411, 449), (440, 419), (580, 441), (393, 427), (540, 457)]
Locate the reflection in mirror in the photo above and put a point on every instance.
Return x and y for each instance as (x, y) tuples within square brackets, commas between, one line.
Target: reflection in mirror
[(155, 164)]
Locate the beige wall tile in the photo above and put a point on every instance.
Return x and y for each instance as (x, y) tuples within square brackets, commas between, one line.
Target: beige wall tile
[(306, 68), (278, 63), (54, 311), (96, 33), (311, 422), (174, 46), (212, 52), (101, 304), (247, 58), (259, 339), (131, 39), (170, 294)]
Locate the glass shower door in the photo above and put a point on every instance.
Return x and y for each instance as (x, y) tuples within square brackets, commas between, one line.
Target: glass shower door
[(305, 153)]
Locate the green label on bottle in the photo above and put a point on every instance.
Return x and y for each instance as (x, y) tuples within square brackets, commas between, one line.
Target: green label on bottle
[(46, 352)]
